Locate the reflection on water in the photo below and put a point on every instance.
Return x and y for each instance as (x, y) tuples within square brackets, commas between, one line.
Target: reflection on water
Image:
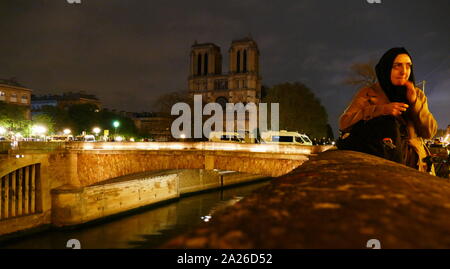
[(148, 229)]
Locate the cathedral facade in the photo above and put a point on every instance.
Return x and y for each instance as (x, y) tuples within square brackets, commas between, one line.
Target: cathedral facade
[(242, 83)]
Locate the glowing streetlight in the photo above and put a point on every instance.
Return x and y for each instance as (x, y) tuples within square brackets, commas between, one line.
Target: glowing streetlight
[(38, 130), (116, 124), (96, 130), (67, 131)]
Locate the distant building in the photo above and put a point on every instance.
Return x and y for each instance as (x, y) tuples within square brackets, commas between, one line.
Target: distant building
[(36, 105), (242, 83), (12, 92), (64, 101), (152, 125)]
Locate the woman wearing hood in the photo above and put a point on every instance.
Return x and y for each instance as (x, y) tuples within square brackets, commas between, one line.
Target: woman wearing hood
[(392, 112)]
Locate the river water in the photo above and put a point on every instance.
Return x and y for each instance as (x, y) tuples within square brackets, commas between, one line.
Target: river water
[(148, 228)]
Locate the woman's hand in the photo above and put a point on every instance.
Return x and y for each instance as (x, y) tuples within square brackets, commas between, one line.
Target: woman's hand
[(411, 92), (395, 109)]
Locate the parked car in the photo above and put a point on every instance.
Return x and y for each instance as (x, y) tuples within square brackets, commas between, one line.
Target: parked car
[(226, 137)]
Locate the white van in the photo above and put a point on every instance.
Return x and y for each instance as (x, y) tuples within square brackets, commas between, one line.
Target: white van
[(285, 137), (226, 137), (89, 138), (85, 138)]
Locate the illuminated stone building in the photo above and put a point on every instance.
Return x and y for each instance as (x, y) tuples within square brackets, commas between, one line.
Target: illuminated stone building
[(242, 83), (12, 92)]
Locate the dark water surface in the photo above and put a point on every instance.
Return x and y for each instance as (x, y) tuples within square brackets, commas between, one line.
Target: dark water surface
[(145, 229)]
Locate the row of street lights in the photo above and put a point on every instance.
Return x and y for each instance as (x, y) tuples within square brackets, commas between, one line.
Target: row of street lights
[(36, 130), (40, 130)]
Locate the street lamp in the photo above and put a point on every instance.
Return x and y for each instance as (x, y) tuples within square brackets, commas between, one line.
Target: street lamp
[(38, 130), (116, 124), (96, 130), (67, 131)]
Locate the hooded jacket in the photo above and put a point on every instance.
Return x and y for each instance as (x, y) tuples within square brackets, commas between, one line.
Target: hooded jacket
[(370, 102)]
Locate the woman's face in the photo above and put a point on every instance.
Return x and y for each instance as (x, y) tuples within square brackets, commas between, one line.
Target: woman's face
[(401, 69)]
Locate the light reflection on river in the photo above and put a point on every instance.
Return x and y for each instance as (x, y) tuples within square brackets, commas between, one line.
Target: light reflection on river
[(147, 229)]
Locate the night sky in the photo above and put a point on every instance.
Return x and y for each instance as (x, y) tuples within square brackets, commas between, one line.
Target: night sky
[(128, 52)]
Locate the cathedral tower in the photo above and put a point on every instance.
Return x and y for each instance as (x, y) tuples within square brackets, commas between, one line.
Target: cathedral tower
[(241, 84), (244, 80)]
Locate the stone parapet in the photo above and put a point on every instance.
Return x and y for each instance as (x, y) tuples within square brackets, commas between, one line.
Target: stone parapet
[(5, 146), (338, 199)]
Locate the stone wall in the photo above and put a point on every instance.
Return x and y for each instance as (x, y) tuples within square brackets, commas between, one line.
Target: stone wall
[(93, 167), (194, 180), (73, 206), (96, 166), (339, 199), (5, 146), (77, 205)]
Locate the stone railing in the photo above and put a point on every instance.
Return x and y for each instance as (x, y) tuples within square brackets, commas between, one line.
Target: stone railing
[(5, 146), (205, 146), (339, 199)]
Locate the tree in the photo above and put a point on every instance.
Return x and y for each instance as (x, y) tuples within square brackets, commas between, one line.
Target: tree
[(164, 103), (300, 110), (60, 118), (12, 117), (84, 117), (330, 133), (46, 121), (127, 127), (362, 74)]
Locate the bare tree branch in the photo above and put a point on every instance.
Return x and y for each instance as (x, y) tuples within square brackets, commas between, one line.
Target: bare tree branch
[(362, 74)]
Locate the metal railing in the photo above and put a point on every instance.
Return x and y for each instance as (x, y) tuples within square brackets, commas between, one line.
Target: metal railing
[(19, 192)]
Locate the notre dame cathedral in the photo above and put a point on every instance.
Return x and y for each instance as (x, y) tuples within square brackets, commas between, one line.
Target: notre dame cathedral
[(241, 84)]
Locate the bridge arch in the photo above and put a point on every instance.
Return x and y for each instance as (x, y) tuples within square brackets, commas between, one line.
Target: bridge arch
[(94, 167)]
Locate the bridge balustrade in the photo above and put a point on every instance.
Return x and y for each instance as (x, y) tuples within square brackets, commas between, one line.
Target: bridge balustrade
[(19, 193)]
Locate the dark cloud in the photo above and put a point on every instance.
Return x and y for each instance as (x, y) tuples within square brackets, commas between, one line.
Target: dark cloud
[(130, 51)]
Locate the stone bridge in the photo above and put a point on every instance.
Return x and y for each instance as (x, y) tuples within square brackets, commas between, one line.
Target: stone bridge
[(35, 175)]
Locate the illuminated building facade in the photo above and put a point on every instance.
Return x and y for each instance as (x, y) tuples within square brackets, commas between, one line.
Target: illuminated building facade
[(241, 84), (12, 92)]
